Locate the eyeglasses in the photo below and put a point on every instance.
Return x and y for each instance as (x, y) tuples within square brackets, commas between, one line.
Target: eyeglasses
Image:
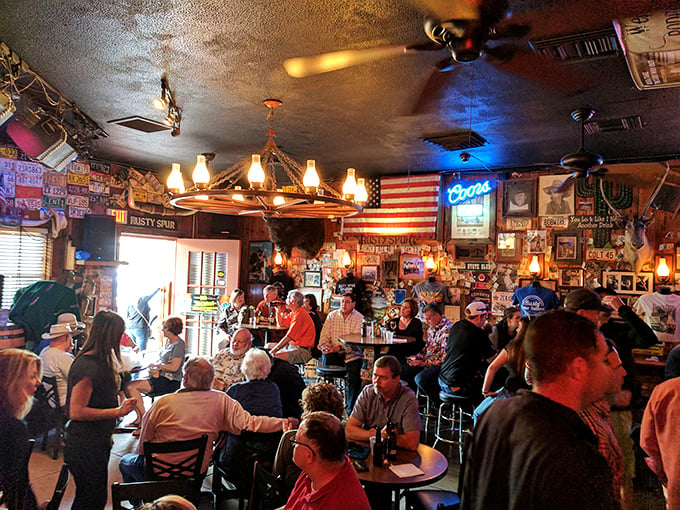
[(298, 443)]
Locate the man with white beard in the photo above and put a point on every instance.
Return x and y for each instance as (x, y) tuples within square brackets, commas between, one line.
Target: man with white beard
[(227, 362)]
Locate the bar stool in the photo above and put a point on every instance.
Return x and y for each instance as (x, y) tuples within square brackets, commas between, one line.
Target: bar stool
[(455, 411), (424, 406), (333, 374)]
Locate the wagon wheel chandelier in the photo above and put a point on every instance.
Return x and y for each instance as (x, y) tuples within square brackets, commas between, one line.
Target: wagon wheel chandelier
[(246, 189)]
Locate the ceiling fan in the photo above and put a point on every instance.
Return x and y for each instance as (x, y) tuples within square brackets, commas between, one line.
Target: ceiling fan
[(582, 163), (467, 30)]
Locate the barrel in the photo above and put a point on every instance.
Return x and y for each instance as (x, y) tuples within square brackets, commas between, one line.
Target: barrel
[(12, 335)]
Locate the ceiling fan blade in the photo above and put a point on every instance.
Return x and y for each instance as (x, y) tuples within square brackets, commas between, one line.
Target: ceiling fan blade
[(448, 9), (509, 31), (301, 67), (558, 76), (443, 73), (500, 53), (564, 185)]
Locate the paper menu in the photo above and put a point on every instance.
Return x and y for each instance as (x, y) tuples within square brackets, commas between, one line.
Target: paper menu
[(406, 470)]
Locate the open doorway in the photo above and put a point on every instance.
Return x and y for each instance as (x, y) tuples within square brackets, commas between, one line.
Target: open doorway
[(150, 266)]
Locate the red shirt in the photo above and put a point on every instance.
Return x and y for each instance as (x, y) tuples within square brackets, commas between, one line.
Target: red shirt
[(300, 328), (343, 492)]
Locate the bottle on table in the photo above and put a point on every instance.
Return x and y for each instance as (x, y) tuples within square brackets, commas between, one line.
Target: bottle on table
[(378, 449), (272, 316), (391, 441)]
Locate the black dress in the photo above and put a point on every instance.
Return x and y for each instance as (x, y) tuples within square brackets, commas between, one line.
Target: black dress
[(414, 329), (14, 454)]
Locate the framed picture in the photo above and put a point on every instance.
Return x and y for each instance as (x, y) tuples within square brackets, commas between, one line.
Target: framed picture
[(624, 282), (536, 240), (571, 277), (567, 247), (519, 198), (506, 277), (508, 246), (312, 278), (553, 198), (643, 282), (474, 220), (411, 266), (260, 261), (369, 273), (547, 284)]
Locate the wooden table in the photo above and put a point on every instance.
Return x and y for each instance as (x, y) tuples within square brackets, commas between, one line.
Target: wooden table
[(381, 482), (376, 342), (270, 330)]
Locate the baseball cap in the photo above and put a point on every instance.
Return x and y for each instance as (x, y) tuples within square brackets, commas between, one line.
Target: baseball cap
[(583, 299), (476, 308)]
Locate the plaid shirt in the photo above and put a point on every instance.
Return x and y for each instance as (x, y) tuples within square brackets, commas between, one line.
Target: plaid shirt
[(336, 326), (435, 346)]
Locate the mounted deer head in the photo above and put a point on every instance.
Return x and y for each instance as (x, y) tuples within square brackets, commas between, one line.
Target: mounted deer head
[(637, 250)]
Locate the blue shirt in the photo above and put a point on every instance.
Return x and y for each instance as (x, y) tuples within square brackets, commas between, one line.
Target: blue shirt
[(534, 300)]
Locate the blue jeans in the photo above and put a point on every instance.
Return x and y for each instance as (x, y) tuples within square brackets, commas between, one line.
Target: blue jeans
[(132, 468), (140, 336), (427, 379)]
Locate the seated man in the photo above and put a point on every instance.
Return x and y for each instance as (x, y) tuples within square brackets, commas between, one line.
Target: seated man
[(328, 480), (191, 412), (227, 362), (386, 399), (299, 338), (341, 322), (57, 358), (270, 302)]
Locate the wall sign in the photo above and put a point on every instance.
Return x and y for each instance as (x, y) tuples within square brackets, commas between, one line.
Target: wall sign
[(591, 222), (608, 254), (389, 240), (153, 222), (459, 193)]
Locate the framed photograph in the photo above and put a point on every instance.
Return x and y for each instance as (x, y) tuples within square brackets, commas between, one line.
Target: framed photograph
[(553, 198), (519, 198), (506, 277), (260, 261), (567, 247), (474, 220), (644, 282), (369, 273), (571, 277), (624, 282), (411, 266), (536, 240), (508, 246), (548, 284), (312, 278)]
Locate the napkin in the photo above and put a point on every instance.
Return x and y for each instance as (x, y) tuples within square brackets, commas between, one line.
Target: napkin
[(398, 340), (406, 470)]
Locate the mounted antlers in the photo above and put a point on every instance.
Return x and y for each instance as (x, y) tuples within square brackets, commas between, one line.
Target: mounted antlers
[(637, 250)]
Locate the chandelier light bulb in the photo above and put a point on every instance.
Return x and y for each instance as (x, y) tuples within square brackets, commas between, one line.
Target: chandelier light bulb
[(256, 172), (176, 180), (349, 189), (662, 270), (160, 103), (311, 179), (201, 175), (534, 267), (238, 196), (361, 196), (279, 200)]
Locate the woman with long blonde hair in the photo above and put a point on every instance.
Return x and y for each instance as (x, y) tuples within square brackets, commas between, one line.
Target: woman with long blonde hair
[(92, 402), (20, 376)]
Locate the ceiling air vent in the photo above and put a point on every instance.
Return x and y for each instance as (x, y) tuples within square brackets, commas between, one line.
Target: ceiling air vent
[(620, 124), (140, 124), (455, 140), (585, 46)]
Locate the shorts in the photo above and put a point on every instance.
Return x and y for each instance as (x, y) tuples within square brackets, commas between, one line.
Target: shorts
[(298, 355), (163, 385)]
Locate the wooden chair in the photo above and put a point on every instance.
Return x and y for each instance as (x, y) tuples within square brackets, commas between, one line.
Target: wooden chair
[(59, 489), (267, 490), (433, 499), (56, 417), (159, 469), (146, 492)]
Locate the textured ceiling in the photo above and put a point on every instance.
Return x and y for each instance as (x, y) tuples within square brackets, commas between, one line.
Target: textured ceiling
[(223, 57)]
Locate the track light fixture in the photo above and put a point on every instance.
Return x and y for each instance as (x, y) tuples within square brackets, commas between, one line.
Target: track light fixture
[(167, 100)]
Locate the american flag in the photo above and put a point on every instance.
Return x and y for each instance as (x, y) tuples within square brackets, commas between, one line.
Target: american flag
[(398, 206)]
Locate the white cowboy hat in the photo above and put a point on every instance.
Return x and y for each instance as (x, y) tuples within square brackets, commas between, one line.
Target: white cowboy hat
[(72, 321), (57, 330)]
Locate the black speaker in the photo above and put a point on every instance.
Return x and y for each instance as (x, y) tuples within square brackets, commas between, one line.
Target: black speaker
[(99, 237)]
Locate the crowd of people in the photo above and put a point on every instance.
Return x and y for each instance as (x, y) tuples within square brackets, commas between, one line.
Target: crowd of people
[(555, 396)]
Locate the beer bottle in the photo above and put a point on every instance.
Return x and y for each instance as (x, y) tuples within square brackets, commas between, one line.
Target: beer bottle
[(378, 448), (391, 442)]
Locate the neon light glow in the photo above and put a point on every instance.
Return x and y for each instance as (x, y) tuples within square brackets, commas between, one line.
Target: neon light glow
[(457, 193)]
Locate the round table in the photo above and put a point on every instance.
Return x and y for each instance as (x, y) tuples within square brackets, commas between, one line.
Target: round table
[(381, 482), (376, 342), (270, 330)]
